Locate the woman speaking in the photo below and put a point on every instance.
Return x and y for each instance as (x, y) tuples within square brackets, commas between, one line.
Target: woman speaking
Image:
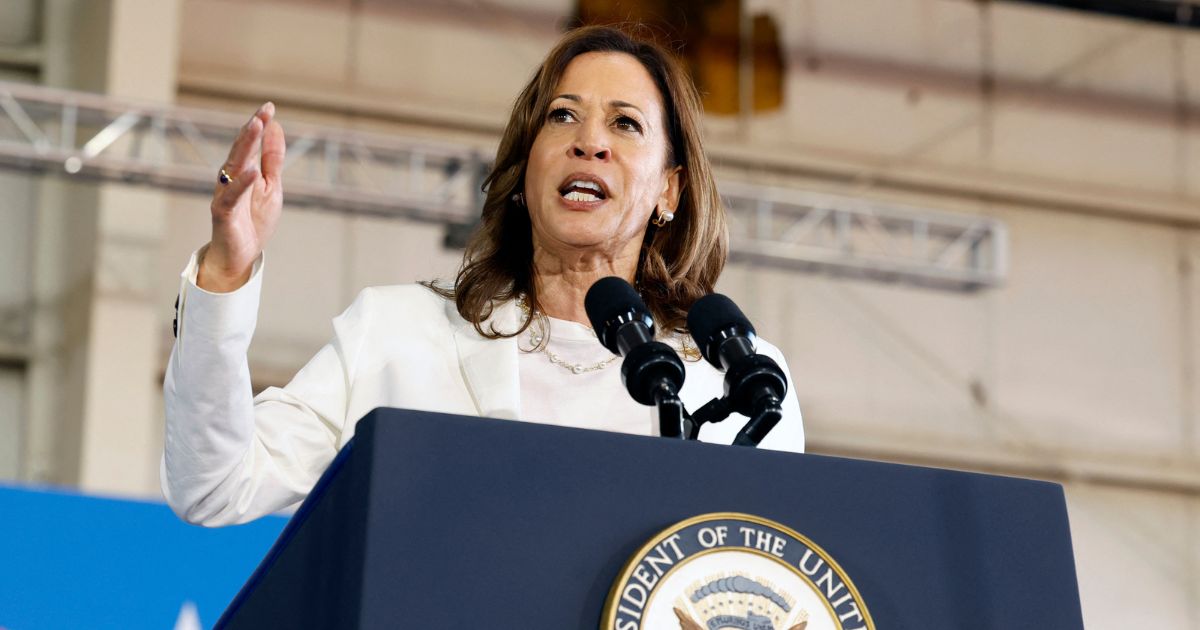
[(601, 172)]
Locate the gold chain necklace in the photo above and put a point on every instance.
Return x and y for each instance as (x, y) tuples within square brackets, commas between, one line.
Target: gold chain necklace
[(574, 368), (540, 343), (690, 353)]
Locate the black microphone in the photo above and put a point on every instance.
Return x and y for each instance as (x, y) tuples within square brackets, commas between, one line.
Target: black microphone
[(754, 384), (651, 370)]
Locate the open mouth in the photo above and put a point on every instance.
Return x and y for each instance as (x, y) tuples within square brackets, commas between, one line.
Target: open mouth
[(583, 188)]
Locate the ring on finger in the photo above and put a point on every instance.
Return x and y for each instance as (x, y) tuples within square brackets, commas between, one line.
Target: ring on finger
[(224, 178)]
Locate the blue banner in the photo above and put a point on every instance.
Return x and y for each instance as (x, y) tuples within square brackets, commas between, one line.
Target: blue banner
[(69, 561)]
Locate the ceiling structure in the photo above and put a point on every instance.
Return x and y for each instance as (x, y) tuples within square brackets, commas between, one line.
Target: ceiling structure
[(86, 135)]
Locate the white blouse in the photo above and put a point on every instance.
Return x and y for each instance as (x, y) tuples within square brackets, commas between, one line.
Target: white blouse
[(595, 398)]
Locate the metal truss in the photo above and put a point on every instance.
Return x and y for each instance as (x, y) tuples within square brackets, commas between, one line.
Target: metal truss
[(850, 236), (87, 135)]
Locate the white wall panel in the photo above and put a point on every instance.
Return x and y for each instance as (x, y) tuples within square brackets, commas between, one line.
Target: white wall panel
[(387, 251), (1053, 144), (414, 58), (444, 63), (877, 361), (305, 275), (938, 33), (1139, 66), (1087, 338), (188, 226), (1079, 353), (1033, 43), (1137, 556), (879, 119), (925, 349), (294, 41)]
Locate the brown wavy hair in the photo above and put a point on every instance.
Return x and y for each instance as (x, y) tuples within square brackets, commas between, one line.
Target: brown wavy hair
[(678, 263)]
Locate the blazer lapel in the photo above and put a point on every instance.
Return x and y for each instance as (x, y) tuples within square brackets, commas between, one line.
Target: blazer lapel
[(489, 366)]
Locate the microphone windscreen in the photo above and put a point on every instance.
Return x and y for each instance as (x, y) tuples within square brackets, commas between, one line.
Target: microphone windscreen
[(608, 298), (710, 315)]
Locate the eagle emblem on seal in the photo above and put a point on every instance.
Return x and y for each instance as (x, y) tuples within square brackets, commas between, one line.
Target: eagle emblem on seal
[(738, 602)]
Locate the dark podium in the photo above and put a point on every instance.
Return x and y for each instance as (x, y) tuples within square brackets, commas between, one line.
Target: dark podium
[(428, 520)]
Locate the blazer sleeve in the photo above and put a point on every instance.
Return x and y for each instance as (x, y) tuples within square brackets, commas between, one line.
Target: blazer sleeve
[(230, 457)]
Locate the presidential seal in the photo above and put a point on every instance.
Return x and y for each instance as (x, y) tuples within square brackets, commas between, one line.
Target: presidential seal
[(737, 572)]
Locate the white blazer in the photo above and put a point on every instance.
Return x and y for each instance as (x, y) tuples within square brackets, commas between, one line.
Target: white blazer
[(230, 457)]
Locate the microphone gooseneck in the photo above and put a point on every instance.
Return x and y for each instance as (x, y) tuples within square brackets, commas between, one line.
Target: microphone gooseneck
[(651, 370)]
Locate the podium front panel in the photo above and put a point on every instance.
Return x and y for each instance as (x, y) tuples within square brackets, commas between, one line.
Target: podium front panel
[(439, 521)]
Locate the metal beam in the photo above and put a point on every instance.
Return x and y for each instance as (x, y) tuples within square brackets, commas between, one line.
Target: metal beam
[(1184, 13), (847, 236), (86, 135)]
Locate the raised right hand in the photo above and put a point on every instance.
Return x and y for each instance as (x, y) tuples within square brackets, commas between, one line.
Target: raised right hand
[(245, 211)]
